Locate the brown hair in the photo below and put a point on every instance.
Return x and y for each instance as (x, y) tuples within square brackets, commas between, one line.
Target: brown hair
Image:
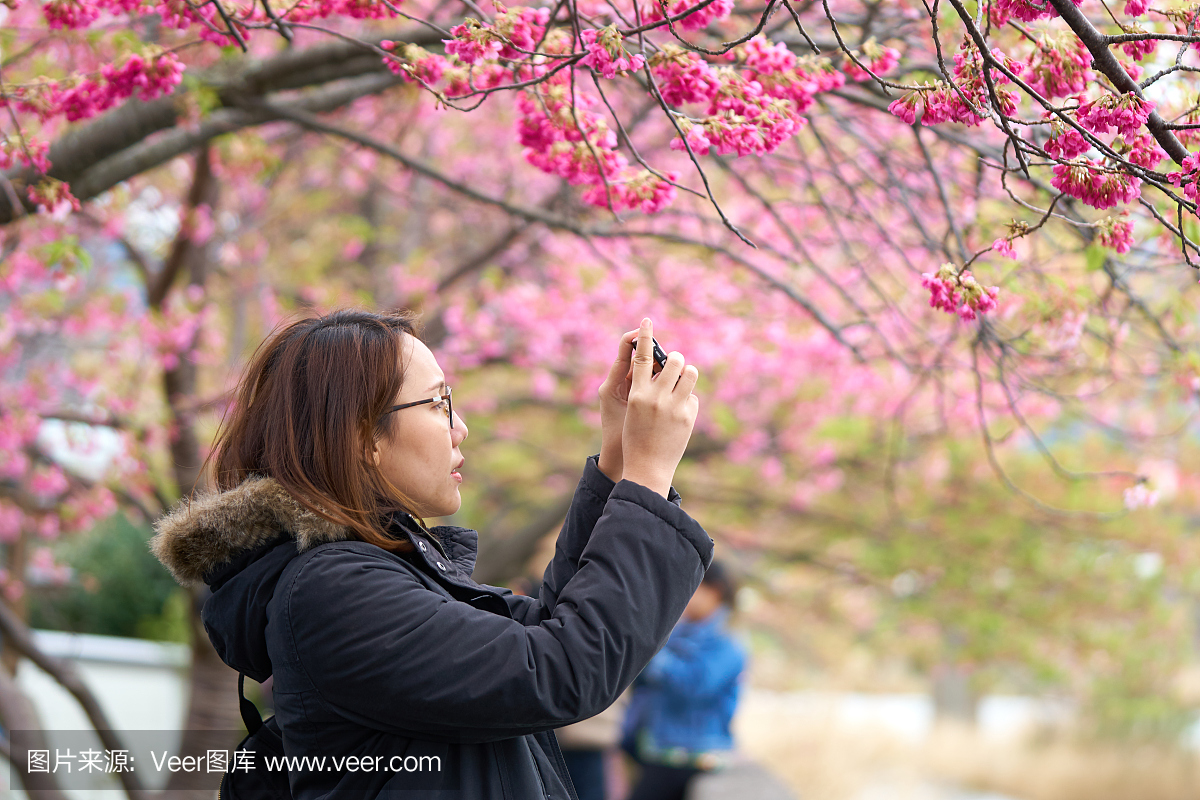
[(308, 410)]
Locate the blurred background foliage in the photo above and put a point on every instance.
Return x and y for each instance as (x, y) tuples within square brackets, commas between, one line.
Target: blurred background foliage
[(117, 587)]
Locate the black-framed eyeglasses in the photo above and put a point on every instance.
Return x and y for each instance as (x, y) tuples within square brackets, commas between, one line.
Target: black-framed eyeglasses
[(442, 397)]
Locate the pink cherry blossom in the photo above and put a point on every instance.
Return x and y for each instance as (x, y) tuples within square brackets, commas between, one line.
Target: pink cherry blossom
[(1065, 142), (1116, 233), (959, 294), (908, 106), (1025, 10), (877, 58), (473, 42), (607, 54), (1126, 112), (1140, 496), (1004, 247), (414, 63), (683, 77), (523, 28), (1060, 66), (1144, 151), (695, 20), (1095, 185), (1138, 49), (71, 13)]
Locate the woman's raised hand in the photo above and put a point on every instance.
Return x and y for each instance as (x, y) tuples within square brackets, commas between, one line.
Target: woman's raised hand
[(614, 399), (659, 416)]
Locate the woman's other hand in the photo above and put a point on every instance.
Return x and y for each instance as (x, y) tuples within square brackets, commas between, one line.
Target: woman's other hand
[(614, 398), (659, 415)]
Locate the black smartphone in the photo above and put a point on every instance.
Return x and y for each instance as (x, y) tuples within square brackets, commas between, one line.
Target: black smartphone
[(660, 358)]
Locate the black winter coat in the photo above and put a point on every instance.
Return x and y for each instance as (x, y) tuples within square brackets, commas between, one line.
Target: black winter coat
[(379, 656)]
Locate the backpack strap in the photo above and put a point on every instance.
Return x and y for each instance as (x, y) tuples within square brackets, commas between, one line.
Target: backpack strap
[(250, 714)]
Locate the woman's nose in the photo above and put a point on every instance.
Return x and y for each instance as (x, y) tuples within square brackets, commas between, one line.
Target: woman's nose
[(459, 431)]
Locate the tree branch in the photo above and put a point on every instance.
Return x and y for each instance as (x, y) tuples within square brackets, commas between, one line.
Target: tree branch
[(1106, 62), (17, 636)]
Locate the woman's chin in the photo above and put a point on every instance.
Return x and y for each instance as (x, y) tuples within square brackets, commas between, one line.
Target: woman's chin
[(451, 506)]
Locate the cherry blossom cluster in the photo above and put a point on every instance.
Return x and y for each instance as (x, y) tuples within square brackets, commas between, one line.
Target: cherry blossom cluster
[(576, 144), (1065, 141), (148, 78), (1004, 246), (967, 100), (786, 77), (704, 13), (1142, 150), (414, 63), (606, 52), (958, 294), (875, 57), (1116, 233), (461, 82), (1024, 10), (1140, 496), (751, 111), (561, 138), (1139, 48), (644, 191), (522, 29), (52, 196), (81, 13), (29, 152), (513, 36), (683, 77), (1186, 177), (1125, 112), (1059, 66), (731, 133), (1095, 184), (473, 42)]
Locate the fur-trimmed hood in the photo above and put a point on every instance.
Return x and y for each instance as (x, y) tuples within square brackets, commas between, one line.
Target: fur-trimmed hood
[(240, 541), (197, 537)]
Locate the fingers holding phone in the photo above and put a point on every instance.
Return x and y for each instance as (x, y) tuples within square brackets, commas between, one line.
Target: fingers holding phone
[(661, 414)]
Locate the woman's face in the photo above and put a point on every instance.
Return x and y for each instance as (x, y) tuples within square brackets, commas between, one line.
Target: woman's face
[(422, 457)]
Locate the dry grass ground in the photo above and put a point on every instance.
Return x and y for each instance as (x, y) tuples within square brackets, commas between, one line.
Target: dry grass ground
[(824, 760)]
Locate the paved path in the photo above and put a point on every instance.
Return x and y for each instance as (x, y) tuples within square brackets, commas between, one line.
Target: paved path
[(749, 781)]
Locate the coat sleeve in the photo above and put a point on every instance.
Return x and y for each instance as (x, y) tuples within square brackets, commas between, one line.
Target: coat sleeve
[(586, 508), (695, 672), (393, 655)]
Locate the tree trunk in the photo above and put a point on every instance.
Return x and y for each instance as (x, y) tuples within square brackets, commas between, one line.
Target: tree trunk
[(212, 721)]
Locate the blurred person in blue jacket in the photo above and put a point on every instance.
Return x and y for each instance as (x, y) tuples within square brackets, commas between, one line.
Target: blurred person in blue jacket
[(678, 721)]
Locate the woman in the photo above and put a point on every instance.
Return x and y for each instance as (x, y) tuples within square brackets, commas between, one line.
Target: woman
[(389, 662), (683, 702)]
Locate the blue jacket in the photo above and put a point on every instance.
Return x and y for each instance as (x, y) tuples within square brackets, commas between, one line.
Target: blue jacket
[(684, 700)]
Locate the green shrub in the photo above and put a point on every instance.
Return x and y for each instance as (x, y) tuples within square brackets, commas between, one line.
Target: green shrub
[(118, 587)]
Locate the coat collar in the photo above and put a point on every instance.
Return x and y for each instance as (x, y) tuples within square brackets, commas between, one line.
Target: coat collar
[(198, 536)]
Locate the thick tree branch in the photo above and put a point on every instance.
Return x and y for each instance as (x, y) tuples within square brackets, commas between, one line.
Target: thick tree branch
[(147, 155), (1104, 61), (94, 157)]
